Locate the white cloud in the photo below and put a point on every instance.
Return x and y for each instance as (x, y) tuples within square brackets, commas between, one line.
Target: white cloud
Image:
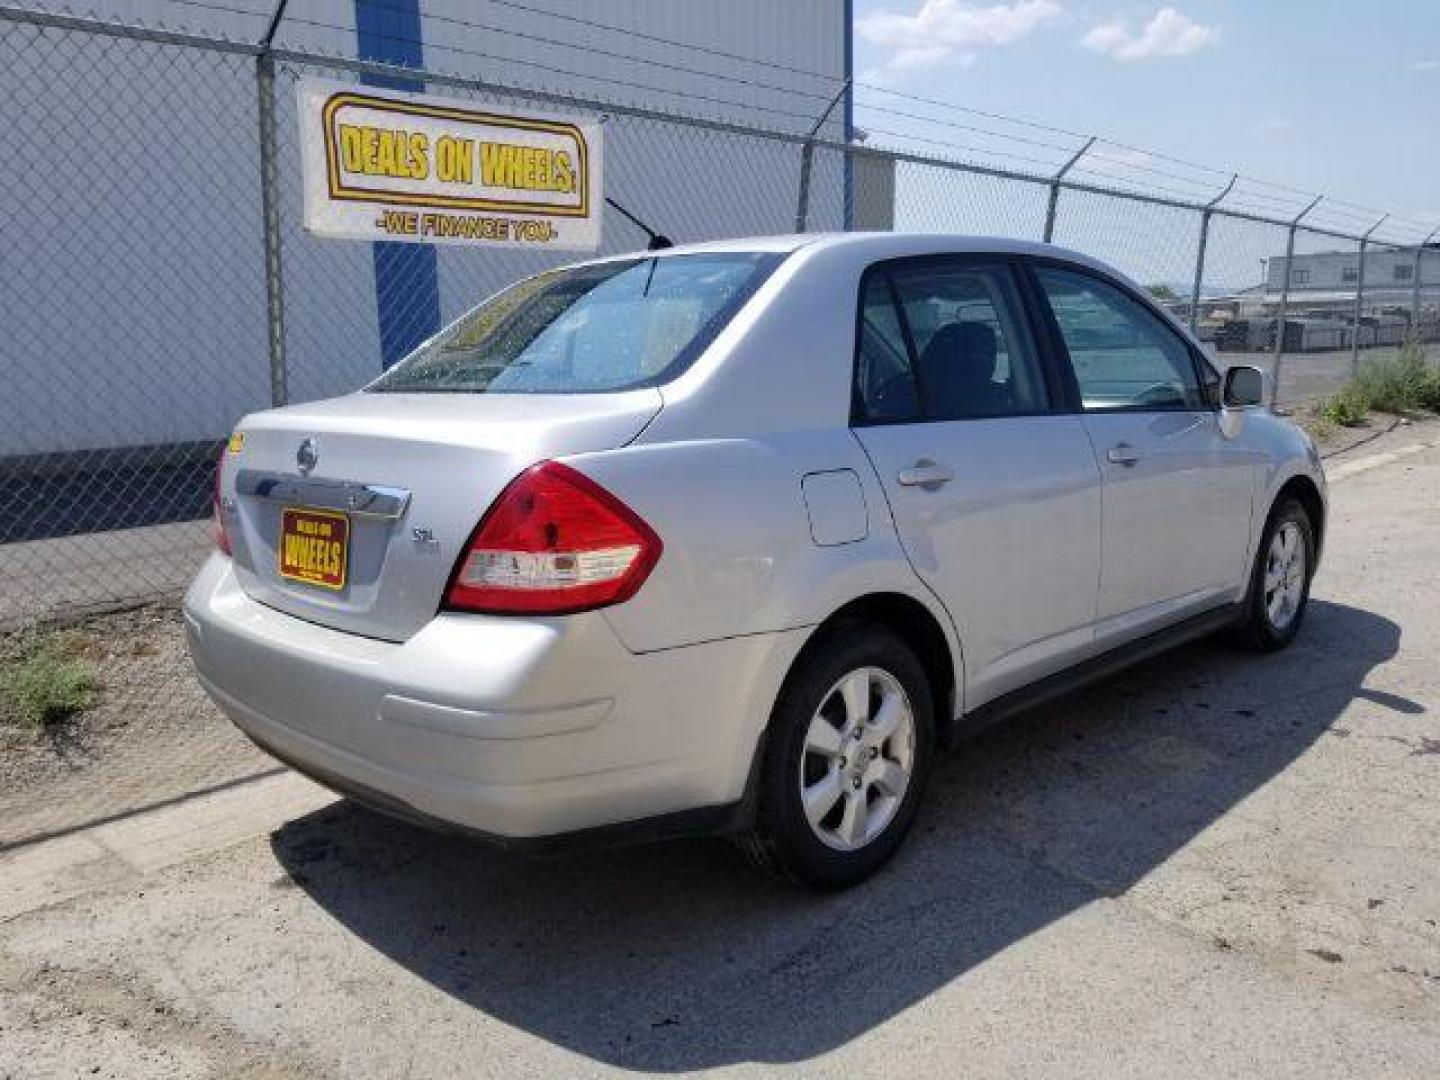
[(1425, 65), (940, 29), (914, 58), (1168, 33)]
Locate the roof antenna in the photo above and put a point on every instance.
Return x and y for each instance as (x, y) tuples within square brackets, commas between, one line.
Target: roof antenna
[(658, 241)]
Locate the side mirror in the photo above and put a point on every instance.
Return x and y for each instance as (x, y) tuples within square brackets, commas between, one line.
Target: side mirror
[(1244, 386)]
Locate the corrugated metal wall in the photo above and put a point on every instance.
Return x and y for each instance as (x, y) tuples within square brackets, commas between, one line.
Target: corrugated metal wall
[(151, 318)]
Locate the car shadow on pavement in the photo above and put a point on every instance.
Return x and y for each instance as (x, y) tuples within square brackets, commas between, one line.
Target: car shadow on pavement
[(679, 957)]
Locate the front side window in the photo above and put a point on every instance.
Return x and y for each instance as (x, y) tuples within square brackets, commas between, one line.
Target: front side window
[(943, 340), (604, 327), (1123, 355)]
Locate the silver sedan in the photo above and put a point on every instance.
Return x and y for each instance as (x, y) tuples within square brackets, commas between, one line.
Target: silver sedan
[(732, 537)]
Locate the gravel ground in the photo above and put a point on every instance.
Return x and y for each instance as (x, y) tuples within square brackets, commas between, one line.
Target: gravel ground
[(150, 735)]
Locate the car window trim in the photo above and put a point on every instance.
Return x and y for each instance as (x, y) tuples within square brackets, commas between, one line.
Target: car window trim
[(1062, 351), (1005, 260)]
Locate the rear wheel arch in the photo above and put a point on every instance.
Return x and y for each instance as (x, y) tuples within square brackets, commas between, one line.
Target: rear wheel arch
[(917, 626)]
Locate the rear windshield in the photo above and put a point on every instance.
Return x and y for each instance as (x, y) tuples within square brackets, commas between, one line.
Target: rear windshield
[(609, 326)]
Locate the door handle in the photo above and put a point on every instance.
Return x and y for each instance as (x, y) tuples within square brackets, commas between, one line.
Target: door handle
[(925, 473), (1122, 454)]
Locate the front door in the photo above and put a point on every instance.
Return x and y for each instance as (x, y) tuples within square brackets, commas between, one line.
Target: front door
[(995, 495), (1177, 492)]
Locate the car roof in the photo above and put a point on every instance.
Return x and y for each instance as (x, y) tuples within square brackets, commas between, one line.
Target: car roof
[(869, 247), (880, 244), (863, 248)]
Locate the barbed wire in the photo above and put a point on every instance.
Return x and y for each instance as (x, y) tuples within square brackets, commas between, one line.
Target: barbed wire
[(748, 106), (1133, 174)]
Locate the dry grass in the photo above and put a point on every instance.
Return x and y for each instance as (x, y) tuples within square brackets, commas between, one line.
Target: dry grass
[(1405, 384), (45, 681)]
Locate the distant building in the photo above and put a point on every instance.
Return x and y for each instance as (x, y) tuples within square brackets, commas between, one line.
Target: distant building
[(1330, 278)]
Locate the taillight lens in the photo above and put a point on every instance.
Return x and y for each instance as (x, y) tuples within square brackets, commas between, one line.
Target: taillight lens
[(217, 516), (554, 542)]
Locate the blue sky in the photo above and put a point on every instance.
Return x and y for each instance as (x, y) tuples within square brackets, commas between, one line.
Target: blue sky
[(1334, 96)]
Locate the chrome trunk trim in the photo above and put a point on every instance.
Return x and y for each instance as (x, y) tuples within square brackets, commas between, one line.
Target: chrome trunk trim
[(363, 500)]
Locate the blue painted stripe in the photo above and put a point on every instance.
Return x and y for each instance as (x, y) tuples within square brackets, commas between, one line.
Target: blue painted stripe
[(407, 277)]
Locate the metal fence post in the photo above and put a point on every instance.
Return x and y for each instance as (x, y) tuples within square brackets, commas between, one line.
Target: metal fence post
[(1360, 298), (1205, 216), (1285, 302), (807, 155), (1415, 285), (1055, 187), (270, 211)]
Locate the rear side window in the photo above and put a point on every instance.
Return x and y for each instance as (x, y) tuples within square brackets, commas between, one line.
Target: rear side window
[(604, 327), (944, 340), (1123, 355), (885, 389)]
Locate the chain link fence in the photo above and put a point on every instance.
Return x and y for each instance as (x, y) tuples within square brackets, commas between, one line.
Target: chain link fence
[(159, 284)]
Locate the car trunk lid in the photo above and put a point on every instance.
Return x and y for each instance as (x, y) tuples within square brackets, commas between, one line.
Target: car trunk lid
[(352, 512)]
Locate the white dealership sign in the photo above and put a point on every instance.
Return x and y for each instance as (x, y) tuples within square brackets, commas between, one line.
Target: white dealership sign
[(386, 165)]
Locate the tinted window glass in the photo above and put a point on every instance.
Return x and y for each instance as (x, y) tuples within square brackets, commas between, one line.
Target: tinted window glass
[(884, 379), (972, 357), (609, 326), (1123, 355)]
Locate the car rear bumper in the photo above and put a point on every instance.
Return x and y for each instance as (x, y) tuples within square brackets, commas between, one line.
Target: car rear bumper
[(514, 728)]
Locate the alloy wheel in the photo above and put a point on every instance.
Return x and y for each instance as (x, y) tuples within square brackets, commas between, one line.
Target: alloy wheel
[(1285, 566), (858, 758)]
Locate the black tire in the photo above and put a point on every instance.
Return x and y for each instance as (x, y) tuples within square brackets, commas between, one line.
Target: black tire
[(782, 840), (1258, 629)]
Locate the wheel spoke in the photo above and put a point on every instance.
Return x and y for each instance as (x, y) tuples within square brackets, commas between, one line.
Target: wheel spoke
[(890, 777), (857, 812), (855, 691), (888, 719), (823, 738), (1274, 575), (821, 796)]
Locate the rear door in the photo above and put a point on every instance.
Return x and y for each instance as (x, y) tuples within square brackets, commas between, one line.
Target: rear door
[(995, 493), (1178, 493)]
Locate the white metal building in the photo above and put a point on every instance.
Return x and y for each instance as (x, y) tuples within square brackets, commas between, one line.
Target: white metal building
[(134, 262)]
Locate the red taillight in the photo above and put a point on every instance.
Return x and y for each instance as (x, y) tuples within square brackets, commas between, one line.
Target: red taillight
[(555, 542), (217, 516)]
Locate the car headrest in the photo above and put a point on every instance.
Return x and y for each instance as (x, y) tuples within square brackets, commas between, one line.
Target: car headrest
[(961, 357)]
